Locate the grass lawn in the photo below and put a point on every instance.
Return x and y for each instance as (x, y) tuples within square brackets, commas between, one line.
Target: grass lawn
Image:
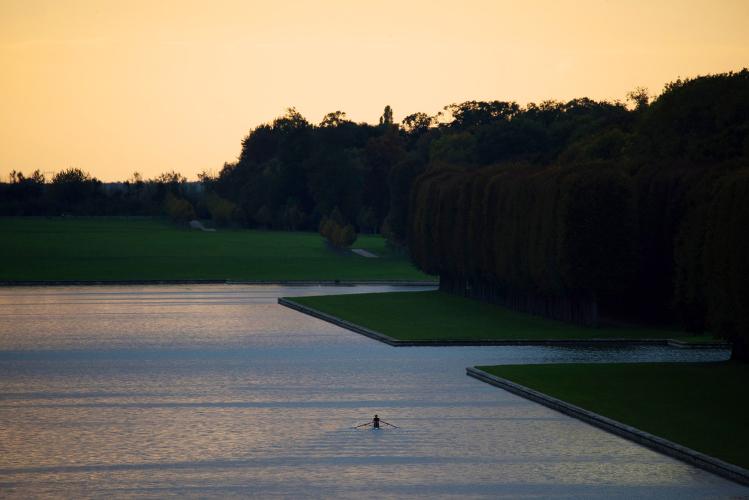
[(699, 405), (37, 248), (441, 316)]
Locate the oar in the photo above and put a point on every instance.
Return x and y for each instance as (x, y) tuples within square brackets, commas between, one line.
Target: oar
[(362, 425), (391, 425)]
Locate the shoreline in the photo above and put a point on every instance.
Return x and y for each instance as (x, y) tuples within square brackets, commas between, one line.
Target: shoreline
[(659, 444), (381, 337), (34, 283)]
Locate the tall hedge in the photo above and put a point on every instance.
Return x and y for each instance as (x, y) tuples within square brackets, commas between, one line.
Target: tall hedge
[(712, 259), (547, 240), (663, 243), (727, 262), (642, 213)]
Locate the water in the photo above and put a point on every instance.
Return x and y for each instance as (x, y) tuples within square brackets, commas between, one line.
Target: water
[(217, 391)]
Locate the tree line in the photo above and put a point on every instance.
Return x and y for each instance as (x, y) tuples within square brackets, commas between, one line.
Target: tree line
[(594, 210), (338, 177), (576, 210), (73, 191), (295, 175)]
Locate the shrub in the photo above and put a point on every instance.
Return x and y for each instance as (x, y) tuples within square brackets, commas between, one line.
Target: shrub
[(222, 210), (178, 209), (336, 232)]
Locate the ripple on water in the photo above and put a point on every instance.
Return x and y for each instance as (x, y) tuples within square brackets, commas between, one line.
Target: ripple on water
[(217, 391)]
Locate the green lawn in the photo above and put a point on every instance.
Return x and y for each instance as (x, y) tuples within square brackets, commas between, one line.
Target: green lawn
[(36, 248), (441, 316), (699, 405)]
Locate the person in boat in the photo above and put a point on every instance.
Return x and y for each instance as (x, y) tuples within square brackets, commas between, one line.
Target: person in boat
[(375, 423)]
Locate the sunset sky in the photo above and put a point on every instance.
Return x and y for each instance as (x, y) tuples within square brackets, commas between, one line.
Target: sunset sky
[(114, 87)]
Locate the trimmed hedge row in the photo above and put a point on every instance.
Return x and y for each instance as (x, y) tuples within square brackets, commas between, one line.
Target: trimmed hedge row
[(712, 260), (540, 239), (659, 243)]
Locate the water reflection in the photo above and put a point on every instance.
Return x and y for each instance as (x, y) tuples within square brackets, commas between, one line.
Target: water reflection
[(217, 391)]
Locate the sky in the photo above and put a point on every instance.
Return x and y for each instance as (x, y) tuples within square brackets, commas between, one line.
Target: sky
[(115, 87)]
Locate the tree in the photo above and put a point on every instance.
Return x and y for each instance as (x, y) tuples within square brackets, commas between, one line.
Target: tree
[(264, 217), (334, 119), (336, 231), (73, 189), (23, 195), (171, 177), (292, 217), (136, 178), (639, 98), (400, 180), (336, 179), (387, 117), (459, 148), (471, 114), (700, 120), (260, 145), (222, 210), (417, 123), (291, 121), (380, 154), (178, 209), (366, 220), (71, 176), (36, 177)]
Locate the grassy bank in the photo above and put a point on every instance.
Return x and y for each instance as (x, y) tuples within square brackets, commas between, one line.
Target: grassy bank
[(441, 316), (152, 249), (699, 405)]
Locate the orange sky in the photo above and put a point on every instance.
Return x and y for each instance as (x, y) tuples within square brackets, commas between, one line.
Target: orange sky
[(118, 86)]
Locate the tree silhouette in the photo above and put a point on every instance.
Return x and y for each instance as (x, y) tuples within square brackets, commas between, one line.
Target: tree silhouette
[(387, 116)]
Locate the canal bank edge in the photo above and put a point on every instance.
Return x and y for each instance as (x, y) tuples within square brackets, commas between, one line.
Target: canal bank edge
[(688, 455), (14, 283), (287, 302), (338, 321)]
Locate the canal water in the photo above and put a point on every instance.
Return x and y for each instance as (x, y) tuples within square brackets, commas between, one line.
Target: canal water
[(217, 391)]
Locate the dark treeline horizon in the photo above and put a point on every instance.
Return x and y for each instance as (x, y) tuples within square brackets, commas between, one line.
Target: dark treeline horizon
[(641, 215), (292, 174), (568, 209)]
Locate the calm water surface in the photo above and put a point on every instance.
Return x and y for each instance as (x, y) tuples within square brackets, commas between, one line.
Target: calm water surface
[(217, 391)]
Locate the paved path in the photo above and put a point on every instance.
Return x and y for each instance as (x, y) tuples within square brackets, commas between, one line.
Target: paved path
[(364, 253), (196, 224)]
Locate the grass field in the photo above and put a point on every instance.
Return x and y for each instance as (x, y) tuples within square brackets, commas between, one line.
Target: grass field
[(154, 249), (699, 405), (441, 316)]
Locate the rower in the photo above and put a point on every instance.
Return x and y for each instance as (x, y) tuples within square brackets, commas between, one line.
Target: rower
[(375, 423)]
